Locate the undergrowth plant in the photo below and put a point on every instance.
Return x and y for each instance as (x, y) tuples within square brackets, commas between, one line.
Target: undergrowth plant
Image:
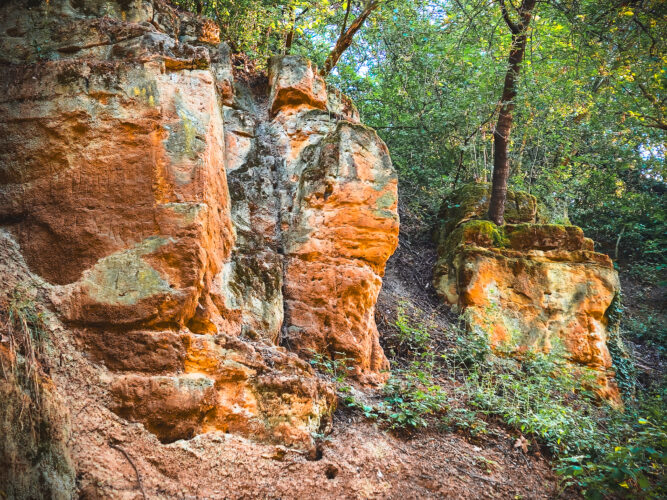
[(605, 451), (408, 398), (411, 394), (34, 428), (336, 367), (413, 336)]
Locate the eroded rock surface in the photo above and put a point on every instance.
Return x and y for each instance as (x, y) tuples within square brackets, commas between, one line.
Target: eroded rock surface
[(201, 237), (528, 286)]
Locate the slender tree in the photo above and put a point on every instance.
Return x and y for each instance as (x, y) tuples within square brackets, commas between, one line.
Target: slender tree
[(501, 134)]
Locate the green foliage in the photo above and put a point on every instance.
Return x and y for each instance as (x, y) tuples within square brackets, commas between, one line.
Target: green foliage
[(642, 326), (534, 397), (410, 335), (630, 457), (259, 29), (603, 450), (649, 272), (626, 373), (466, 420), (625, 213), (647, 328), (337, 368), (428, 74), (472, 348), (409, 397)]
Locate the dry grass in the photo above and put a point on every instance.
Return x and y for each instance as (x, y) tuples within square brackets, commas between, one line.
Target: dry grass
[(22, 333)]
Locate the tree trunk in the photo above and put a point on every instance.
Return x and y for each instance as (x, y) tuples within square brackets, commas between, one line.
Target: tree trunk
[(501, 135)]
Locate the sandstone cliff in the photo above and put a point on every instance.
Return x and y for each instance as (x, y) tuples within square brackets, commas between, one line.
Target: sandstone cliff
[(195, 238)]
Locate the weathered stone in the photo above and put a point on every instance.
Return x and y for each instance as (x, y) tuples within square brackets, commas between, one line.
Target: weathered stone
[(231, 386), (294, 81), (320, 195), (170, 407), (160, 46), (119, 172), (545, 237), (344, 229), (263, 392), (156, 352), (534, 287)]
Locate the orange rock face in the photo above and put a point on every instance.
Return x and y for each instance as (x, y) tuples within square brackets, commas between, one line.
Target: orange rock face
[(187, 225), (345, 228), (531, 286), (338, 221)]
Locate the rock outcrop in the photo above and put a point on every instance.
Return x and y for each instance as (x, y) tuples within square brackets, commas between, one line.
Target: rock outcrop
[(200, 237), (527, 285)]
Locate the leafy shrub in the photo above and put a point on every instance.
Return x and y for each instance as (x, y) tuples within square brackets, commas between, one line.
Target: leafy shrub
[(534, 397), (624, 366), (649, 272), (337, 368), (472, 348), (409, 397), (412, 336), (630, 225), (411, 394), (630, 457), (647, 328), (602, 450), (466, 420)]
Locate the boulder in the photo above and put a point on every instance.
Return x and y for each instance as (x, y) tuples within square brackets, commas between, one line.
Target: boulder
[(528, 286)]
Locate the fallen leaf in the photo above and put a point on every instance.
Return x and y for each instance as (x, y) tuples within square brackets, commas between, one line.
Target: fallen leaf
[(522, 443)]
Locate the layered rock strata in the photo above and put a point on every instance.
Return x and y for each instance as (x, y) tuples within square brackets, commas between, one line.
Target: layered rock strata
[(527, 285), (193, 231)]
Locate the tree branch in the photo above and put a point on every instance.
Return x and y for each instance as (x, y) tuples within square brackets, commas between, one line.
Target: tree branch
[(506, 16), (345, 39), (657, 122), (347, 14)]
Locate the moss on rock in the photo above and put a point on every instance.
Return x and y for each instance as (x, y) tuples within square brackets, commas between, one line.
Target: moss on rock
[(482, 233), (471, 201)]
